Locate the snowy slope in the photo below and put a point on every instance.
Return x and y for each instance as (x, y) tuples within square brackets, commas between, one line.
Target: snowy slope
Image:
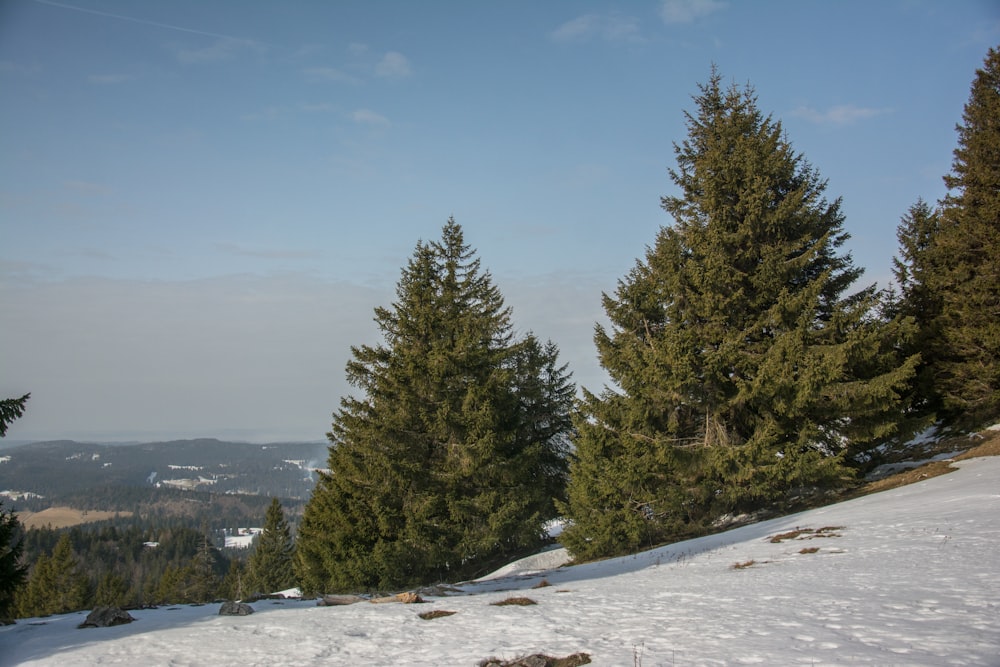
[(906, 577)]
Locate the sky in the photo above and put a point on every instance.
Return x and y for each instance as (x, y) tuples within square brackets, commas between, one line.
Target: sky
[(904, 577), (202, 203)]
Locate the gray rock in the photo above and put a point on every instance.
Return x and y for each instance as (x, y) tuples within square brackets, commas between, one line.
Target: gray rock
[(105, 617), (235, 609)]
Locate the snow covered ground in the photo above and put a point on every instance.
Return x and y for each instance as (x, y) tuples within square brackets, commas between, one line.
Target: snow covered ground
[(908, 577)]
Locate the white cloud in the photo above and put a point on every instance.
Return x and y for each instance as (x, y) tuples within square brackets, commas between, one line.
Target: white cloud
[(609, 27), (686, 11), (844, 114), (393, 65), (369, 117)]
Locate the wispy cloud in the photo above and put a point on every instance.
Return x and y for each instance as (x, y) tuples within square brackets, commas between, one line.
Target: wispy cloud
[(844, 114), (320, 107), (369, 117), (687, 11), (319, 74), (608, 27), (393, 65), (140, 21), (266, 253), (88, 188), (19, 68), (109, 79), (224, 48)]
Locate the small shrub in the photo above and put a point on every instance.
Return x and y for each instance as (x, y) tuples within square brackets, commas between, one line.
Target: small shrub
[(520, 602)]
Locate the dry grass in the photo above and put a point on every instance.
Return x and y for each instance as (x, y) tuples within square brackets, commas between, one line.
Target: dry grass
[(744, 565), (437, 613), (65, 517), (985, 443), (539, 660), (516, 601), (809, 550), (542, 584), (806, 534)]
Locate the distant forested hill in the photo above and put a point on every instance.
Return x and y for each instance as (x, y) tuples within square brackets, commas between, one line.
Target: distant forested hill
[(116, 477)]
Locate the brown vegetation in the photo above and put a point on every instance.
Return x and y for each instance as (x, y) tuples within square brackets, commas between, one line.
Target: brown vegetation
[(520, 602), (65, 517)]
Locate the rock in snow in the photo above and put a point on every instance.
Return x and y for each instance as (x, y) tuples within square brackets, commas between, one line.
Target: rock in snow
[(105, 617), (235, 609)]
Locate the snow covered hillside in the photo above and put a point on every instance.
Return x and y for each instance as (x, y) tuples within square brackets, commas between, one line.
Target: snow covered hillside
[(909, 576)]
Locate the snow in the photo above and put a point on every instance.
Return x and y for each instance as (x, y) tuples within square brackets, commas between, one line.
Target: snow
[(908, 577)]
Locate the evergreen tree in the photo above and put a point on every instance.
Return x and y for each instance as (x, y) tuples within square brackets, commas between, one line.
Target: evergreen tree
[(202, 580), (913, 269), (11, 409), (966, 255), (742, 365), (112, 591), (270, 565), (56, 584), (450, 460), (13, 572), (234, 585)]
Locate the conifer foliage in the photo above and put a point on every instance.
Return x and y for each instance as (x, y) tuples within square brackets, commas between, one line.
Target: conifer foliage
[(13, 572), (269, 569), (966, 257), (741, 363), (450, 460)]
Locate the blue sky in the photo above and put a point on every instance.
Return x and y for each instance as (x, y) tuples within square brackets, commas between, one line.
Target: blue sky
[(201, 202)]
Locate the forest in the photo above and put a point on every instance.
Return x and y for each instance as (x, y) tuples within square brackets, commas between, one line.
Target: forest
[(752, 372)]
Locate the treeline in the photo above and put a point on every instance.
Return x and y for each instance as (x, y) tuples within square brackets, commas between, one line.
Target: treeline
[(136, 566)]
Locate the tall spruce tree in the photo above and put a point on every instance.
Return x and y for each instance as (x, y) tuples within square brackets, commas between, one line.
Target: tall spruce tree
[(450, 461), (741, 363), (966, 254), (270, 566)]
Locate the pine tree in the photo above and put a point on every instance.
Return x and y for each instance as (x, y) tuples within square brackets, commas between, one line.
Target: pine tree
[(450, 460), (234, 584), (201, 578), (913, 270), (56, 584), (270, 565), (11, 409), (966, 254), (741, 363), (13, 572)]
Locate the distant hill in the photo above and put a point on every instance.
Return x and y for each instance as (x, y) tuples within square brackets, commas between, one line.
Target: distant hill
[(43, 474)]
